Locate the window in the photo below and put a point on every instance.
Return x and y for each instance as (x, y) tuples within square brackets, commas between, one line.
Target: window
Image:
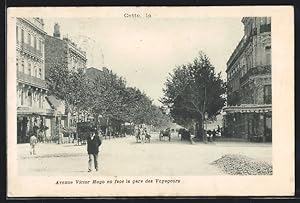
[(40, 73), (22, 96), (243, 70), (17, 34), (40, 101), (29, 98), (263, 20), (268, 20), (268, 55), (29, 39), (249, 62), (35, 71), (40, 44), (22, 35), (17, 64), (34, 42), (265, 25), (29, 68), (22, 66), (267, 94)]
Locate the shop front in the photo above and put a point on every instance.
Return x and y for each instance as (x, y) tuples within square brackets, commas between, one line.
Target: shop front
[(249, 122), (31, 121)]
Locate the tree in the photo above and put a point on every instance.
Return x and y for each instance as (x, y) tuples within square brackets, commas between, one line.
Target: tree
[(110, 97), (192, 90), (69, 86)]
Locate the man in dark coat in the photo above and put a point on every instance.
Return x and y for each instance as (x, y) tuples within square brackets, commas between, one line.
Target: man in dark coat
[(93, 143)]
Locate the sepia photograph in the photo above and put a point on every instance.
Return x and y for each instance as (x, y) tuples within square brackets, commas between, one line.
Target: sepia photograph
[(144, 95)]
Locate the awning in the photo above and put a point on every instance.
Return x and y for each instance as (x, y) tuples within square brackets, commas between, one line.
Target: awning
[(34, 111), (249, 108)]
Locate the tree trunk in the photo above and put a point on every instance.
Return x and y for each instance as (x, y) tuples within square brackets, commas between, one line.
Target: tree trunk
[(200, 130), (203, 131), (203, 117)]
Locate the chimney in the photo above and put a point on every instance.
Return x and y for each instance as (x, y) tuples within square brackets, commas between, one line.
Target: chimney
[(56, 32)]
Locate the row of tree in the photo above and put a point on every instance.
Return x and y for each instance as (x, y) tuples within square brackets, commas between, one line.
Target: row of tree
[(106, 95)]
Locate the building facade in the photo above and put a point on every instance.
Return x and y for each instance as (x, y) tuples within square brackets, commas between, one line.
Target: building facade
[(32, 108), (63, 52), (249, 102)]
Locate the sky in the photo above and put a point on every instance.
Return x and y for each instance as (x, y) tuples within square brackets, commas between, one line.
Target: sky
[(145, 51)]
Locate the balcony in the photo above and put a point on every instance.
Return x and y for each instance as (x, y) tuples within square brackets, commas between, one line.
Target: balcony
[(259, 70), (30, 80), (239, 50), (30, 50)]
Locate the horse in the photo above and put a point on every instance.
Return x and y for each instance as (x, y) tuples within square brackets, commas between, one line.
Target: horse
[(142, 135), (165, 133), (147, 136), (184, 134), (138, 134)]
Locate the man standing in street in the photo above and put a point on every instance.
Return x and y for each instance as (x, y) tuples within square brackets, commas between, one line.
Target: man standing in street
[(93, 143)]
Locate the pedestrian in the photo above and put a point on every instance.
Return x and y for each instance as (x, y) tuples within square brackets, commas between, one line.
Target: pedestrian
[(93, 143), (209, 135), (142, 134), (33, 142), (214, 135)]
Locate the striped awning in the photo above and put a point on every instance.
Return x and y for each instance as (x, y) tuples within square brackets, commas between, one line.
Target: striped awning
[(248, 108), (35, 111)]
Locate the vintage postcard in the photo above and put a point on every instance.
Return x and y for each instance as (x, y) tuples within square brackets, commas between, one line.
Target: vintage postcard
[(150, 101)]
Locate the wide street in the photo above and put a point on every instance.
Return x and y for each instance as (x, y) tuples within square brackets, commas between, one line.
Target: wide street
[(125, 157)]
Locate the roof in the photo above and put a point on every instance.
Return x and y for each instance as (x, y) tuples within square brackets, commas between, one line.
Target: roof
[(92, 73), (54, 102), (249, 108)]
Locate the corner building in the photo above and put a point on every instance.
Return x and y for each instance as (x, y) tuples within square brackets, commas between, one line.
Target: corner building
[(32, 108), (249, 105)]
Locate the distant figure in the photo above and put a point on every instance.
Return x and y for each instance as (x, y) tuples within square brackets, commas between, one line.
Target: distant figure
[(214, 135), (142, 135), (33, 142), (147, 136), (219, 134), (209, 135), (219, 129), (93, 143)]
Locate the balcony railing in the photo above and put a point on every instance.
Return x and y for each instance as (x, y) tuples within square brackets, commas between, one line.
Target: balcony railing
[(27, 48), (239, 50), (34, 81), (259, 70)]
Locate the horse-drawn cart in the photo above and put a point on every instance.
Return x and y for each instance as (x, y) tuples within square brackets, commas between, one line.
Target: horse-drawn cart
[(83, 131), (165, 133), (142, 136)]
